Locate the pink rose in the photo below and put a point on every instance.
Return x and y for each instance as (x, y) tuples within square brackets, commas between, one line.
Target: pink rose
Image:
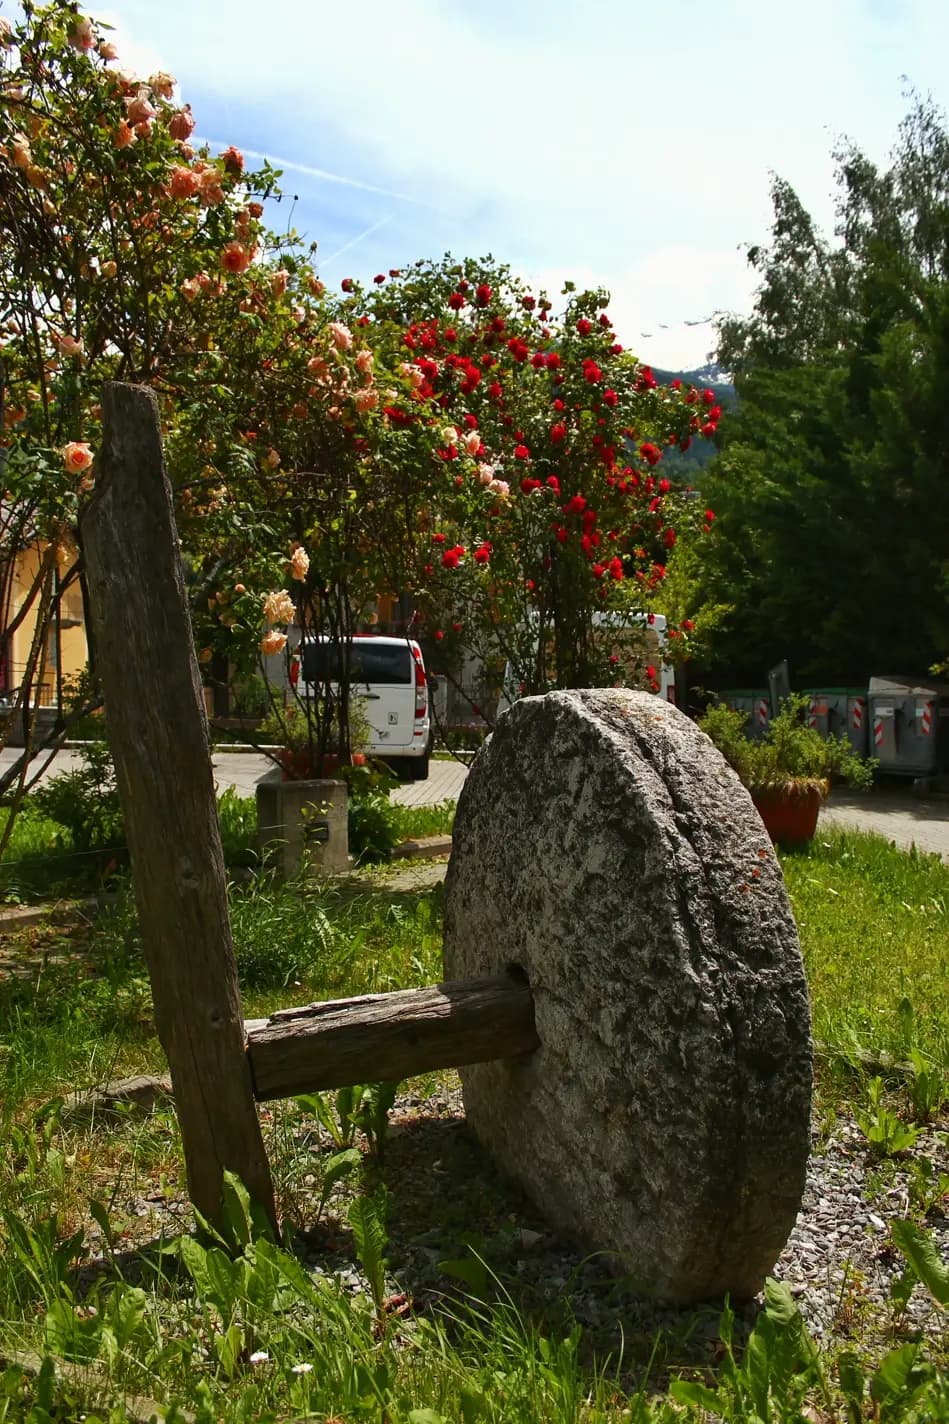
[(340, 335)]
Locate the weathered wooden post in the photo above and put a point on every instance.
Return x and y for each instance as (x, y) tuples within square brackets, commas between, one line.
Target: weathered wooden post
[(158, 732)]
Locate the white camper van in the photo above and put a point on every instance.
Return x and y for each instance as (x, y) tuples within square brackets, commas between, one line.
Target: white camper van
[(651, 628)]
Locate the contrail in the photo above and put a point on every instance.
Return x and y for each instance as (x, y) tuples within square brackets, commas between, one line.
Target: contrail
[(358, 238), (323, 175)]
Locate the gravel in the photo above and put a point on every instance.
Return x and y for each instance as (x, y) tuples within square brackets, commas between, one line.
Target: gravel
[(445, 1198), (839, 1262)]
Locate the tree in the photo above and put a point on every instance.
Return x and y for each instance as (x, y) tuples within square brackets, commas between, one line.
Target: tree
[(830, 486)]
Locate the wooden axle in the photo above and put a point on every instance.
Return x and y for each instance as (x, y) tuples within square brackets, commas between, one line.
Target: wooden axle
[(386, 1037)]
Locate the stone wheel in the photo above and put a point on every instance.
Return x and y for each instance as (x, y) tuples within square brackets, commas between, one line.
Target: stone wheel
[(604, 847)]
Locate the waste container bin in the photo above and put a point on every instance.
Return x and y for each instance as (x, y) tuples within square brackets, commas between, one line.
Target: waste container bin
[(909, 721), (839, 712), (755, 703)]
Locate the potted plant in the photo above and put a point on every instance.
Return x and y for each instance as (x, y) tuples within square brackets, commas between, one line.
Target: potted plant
[(788, 772), (294, 731)]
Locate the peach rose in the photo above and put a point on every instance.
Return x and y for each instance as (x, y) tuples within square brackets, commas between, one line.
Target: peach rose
[(77, 456), (278, 607), (162, 84), (138, 109), (123, 135), (299, 564), (236, 258), (81, 36), (365, 400), (20, 151), (273, 642), (181, 123), (183, 182), (68, 345), (472, 442)]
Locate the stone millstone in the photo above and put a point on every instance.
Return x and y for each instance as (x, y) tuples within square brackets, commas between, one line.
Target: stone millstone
[(604, 846)]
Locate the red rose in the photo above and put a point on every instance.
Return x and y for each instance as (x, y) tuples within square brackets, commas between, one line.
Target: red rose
[(494, 390), (610, 397), (528, 303), (347, 284), (558, 432), (562, 534), (456, 301), (576, 504), (591, 372), (379, 278), (650, 453), (521, 452), (584, 327), (482, 554), (553, 359), (483, 294)]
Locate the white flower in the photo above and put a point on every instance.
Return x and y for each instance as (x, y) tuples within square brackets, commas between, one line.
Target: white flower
[(302, 1369), (260, 1357)]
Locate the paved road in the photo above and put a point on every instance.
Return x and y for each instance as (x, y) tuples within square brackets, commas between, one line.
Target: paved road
[(891, 810), (242, 770)]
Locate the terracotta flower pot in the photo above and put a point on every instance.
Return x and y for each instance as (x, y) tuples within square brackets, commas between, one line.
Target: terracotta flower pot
[(790, 811), (298, 766)]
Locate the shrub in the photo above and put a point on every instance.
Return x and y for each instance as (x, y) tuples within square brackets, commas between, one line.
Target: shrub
[(790, 752)]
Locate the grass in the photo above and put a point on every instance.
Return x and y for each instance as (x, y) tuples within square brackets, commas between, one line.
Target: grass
[(874, 928), (43, 862), (125, 1310)]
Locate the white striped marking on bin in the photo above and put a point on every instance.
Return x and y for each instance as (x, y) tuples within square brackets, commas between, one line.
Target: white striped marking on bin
[(925, 712), (763, 712), (856, 715)]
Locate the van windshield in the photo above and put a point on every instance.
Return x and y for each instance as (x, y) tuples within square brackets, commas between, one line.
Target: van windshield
[(388, 664)]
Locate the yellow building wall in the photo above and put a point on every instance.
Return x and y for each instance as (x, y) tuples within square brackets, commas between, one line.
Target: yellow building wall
[(74, 650)]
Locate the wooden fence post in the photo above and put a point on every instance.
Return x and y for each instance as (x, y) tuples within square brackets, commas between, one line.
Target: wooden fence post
[(158, 732)]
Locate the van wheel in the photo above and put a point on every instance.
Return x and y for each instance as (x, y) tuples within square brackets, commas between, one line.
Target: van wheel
[(419, 771)]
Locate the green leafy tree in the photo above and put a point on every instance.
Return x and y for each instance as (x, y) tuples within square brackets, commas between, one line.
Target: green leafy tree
[(830, 484)]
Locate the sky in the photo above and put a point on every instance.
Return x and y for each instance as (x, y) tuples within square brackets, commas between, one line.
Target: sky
[(622, 144)]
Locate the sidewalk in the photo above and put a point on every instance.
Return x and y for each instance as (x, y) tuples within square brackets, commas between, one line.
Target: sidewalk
[(920, 821)]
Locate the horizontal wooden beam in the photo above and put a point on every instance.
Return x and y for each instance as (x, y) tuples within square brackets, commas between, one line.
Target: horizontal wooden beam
[(387, 1037)]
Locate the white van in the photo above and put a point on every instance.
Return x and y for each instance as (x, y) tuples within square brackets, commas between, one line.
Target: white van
[(387, 677), (651, 628)]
